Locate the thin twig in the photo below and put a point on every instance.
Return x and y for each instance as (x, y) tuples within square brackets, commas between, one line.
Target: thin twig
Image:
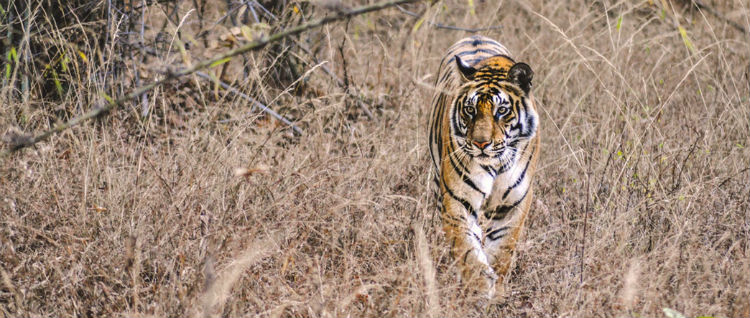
[(315, 59), (268, 13), (353, 88), (255, 45), (144, 97), (677, 182), (353, 93), (448, 27), (249, 6), (702, 6), (255, 102), (585, 216)]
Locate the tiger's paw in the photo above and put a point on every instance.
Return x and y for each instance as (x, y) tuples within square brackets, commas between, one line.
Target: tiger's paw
[(500, 296), (490, 280), (480, 290)]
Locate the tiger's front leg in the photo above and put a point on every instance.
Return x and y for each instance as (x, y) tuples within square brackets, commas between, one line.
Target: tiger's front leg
[(506, 222), (464, 234)]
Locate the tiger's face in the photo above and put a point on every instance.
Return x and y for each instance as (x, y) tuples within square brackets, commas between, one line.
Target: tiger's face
[(493, 113)]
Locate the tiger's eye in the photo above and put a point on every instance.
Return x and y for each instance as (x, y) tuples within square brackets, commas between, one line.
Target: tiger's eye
[(502, 110), (470, 110)]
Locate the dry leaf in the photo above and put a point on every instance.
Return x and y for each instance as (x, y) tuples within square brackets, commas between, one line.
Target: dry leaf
[(246, 172)]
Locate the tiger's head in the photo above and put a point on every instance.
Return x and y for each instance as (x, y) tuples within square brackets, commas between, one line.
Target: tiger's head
[(493, 112)]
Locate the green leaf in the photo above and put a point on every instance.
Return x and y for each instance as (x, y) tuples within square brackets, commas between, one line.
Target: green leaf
[(58, 85), (108, 98), (83, 57), (247, 33), (13, 55), (370, 24), (686, 39), (416, 26), (219, 62), (619, 23), (64, 63)]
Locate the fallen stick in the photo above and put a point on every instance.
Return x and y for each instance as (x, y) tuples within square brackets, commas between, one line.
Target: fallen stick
[(255, 102)]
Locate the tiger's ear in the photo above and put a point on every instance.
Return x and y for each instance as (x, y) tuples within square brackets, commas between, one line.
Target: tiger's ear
[(467, 72), (521, 74)]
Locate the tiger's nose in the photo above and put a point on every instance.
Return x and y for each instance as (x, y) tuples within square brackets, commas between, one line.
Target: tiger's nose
[(481, 144)]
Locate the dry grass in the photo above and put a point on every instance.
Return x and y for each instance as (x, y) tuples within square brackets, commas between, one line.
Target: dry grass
[(642, 196)]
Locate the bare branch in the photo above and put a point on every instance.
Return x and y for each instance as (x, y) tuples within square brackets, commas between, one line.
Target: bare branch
[(445, 26), (702, 6), (255, 45), (255, 102)]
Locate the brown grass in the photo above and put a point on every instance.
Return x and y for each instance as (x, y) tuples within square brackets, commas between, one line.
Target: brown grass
[(645, 146)]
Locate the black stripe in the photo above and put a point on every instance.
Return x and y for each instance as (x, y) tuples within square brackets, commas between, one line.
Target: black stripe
[(463, 202), (494, 50), (451, 150), (466, 179), (476, 237), (467, 254), (523, 173), (474, 41), (445, 77), (503, 210), (492, 172), (507, 165), (438, 123), (455, 118), (518, 125), (491, 235), (531, 121), (432, 155), (518, 181), (437, 135), (468, 43), (445, 218), (493, 90), (453, 246), (465, 53), (462, 171), (522, 115)]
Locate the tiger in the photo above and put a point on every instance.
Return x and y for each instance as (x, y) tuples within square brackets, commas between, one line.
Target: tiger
[(484, 144)]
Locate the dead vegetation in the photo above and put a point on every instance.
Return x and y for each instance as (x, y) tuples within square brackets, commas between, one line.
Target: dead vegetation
[(191, 200)]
